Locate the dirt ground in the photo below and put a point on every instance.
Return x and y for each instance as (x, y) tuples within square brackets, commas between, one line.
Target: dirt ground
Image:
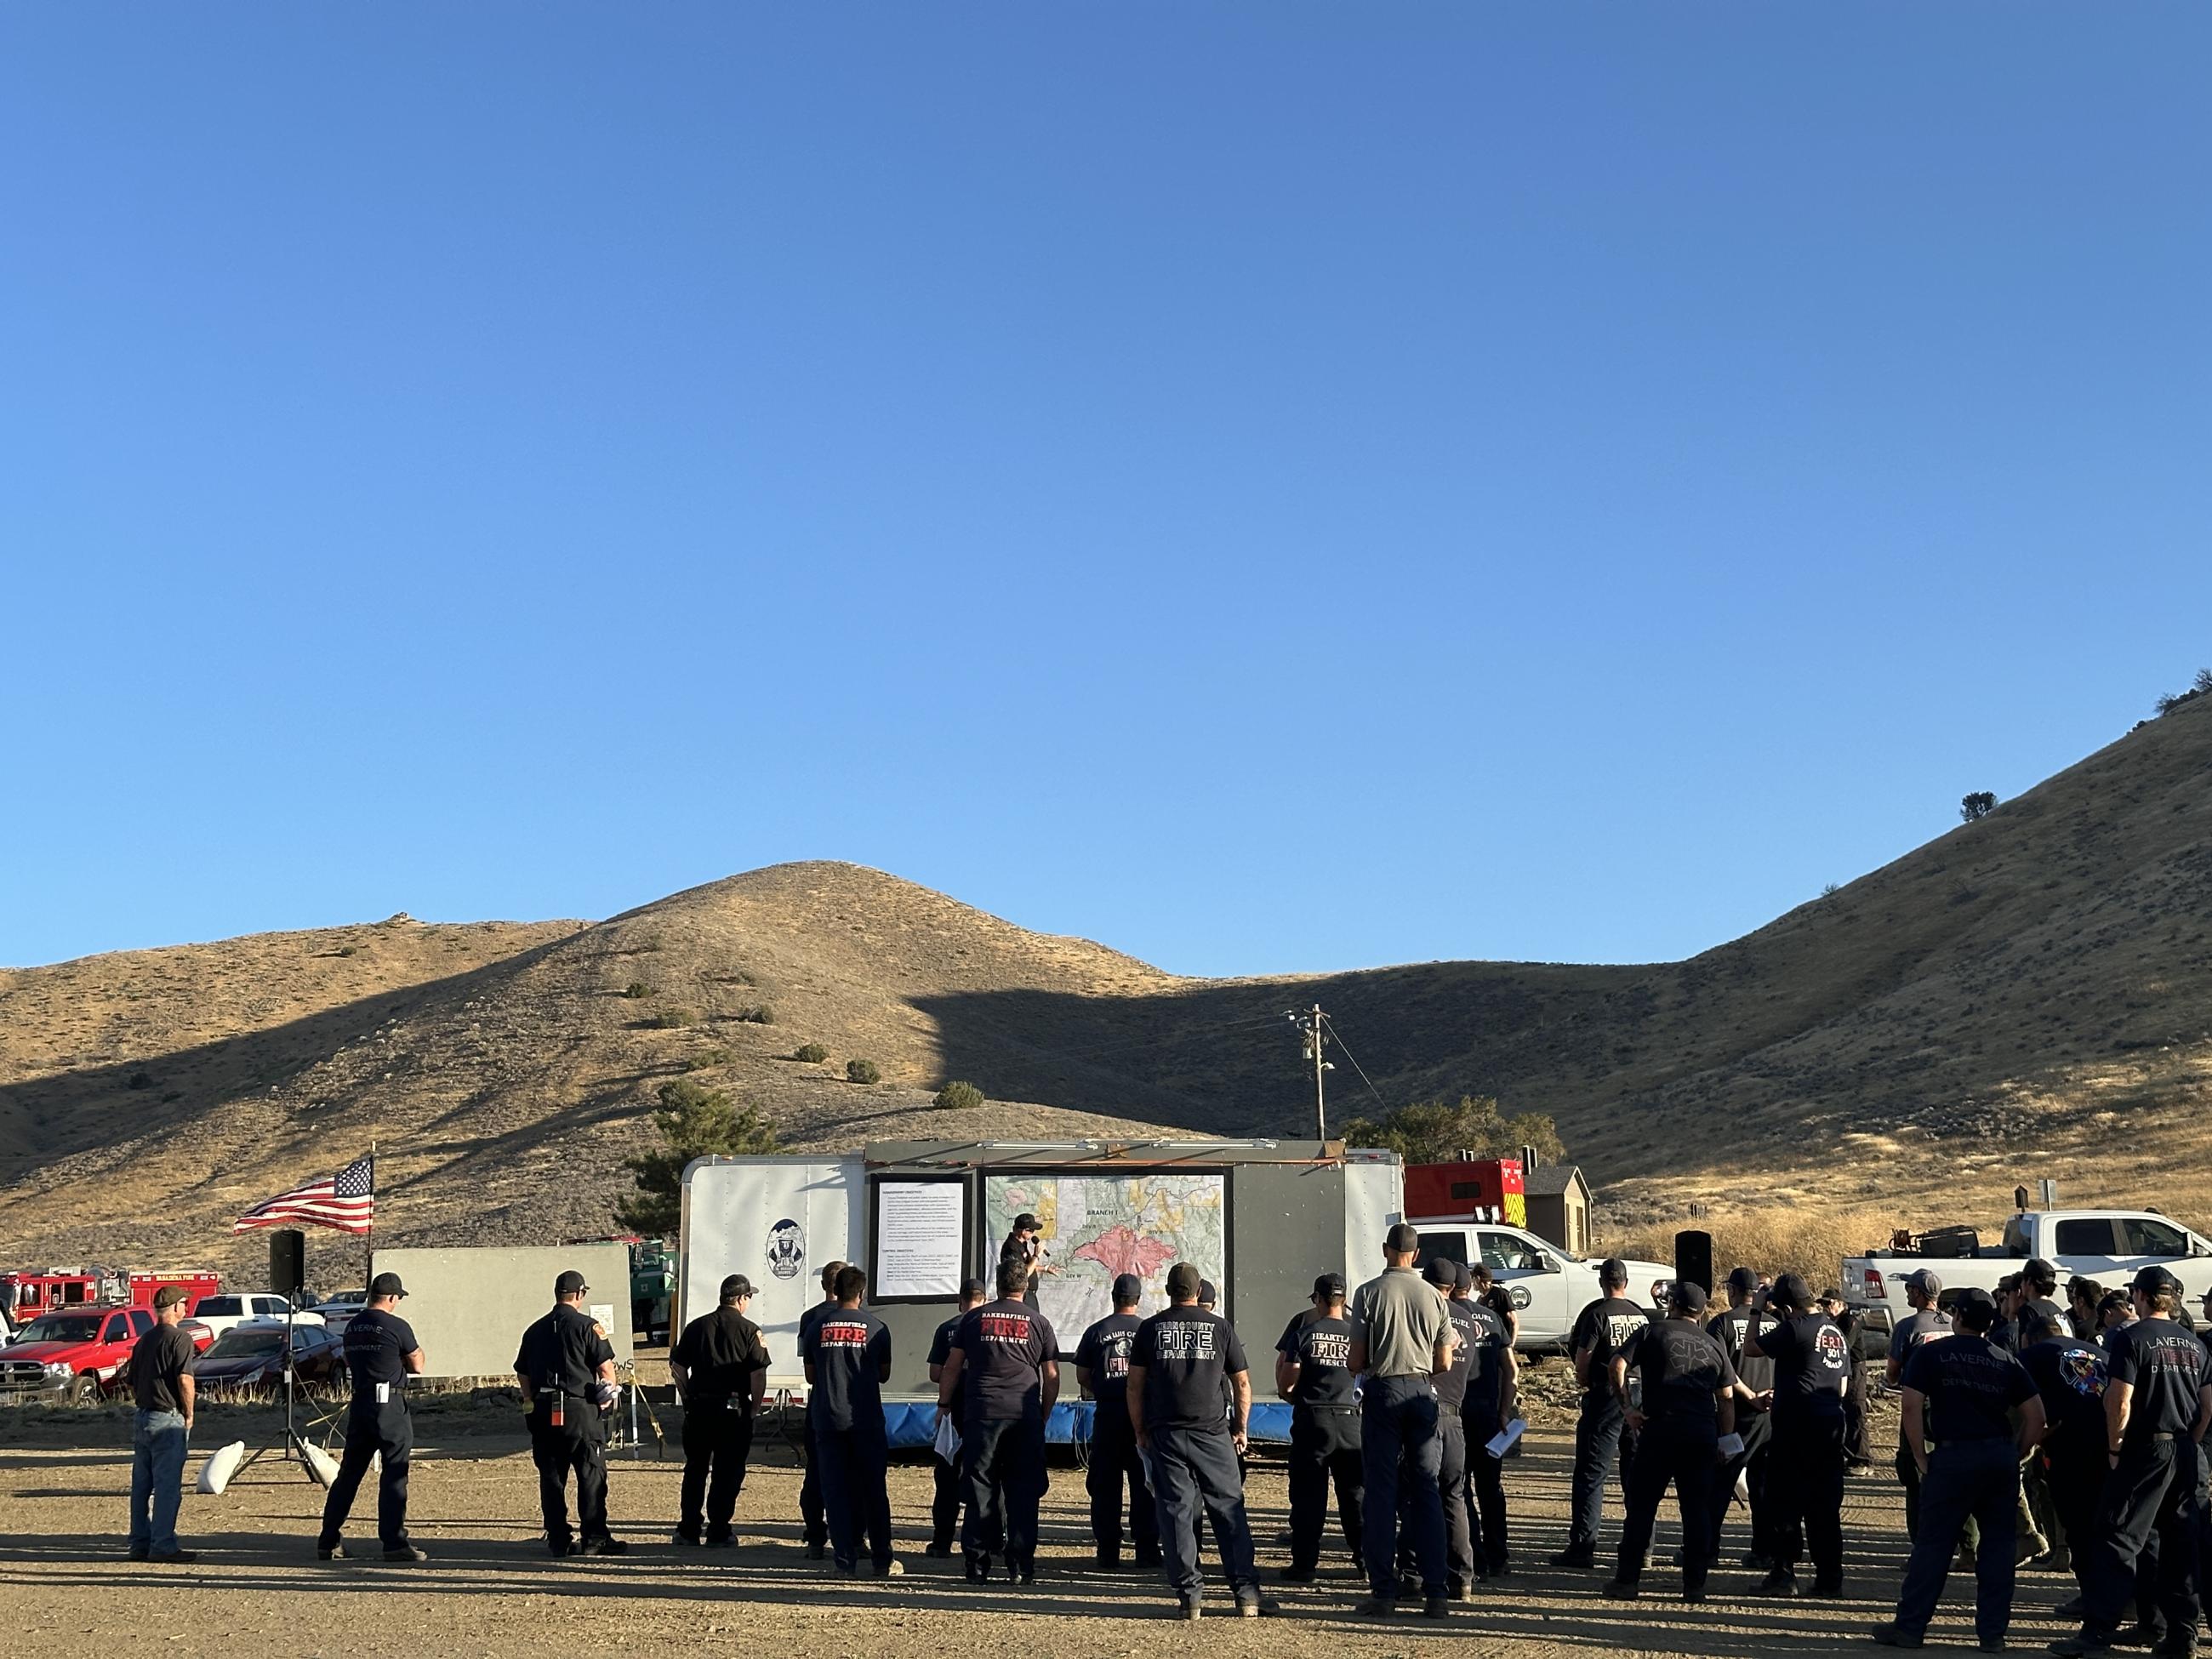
[(490, 1589)]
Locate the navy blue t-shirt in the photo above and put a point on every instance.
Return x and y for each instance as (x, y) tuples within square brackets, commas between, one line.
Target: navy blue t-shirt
[(1971, 1385), (1004, 1346), (1104, 1353), (377, 1343), (2167, 1367), (1187, 1355), (2070, 1375), (848, 1348)]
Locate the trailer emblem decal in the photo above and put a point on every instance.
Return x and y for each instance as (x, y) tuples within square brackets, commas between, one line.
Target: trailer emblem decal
[(786, 1248)]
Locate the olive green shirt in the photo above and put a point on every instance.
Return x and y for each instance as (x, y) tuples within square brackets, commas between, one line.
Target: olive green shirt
[(1401, 1318)]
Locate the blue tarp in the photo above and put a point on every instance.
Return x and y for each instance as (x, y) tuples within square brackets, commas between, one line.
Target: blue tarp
[(913, 1423)]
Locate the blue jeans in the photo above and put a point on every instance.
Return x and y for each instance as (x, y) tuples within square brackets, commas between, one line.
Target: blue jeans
[(1398, 1419), (157, 1477)]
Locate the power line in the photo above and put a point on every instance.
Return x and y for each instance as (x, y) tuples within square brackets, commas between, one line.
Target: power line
[(1339, 1039)]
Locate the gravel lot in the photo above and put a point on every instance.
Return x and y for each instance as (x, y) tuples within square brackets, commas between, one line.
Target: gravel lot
[(489, 1588)]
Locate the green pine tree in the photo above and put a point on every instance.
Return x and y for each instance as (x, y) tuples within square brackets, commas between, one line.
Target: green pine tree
[(695, 1121)]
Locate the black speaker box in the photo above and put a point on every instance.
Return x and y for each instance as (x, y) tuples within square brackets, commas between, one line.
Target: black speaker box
[(1693, 1260), (287, 1262)]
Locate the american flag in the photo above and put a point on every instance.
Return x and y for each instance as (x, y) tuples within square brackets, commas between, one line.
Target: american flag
[(346, 1200)]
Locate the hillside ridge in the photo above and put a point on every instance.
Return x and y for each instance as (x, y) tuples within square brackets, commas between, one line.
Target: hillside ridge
[(2019, 989)]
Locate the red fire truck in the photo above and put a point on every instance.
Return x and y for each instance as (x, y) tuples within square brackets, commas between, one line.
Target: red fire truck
[(25, 1295)]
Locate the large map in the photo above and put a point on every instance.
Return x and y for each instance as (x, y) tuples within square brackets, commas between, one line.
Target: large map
[(1097, 1226)]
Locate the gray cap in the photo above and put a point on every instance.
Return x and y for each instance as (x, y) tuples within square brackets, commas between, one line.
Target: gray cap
[(1922, 1282)]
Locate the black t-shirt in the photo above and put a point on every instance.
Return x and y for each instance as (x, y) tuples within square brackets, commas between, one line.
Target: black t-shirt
[(2006, 1332), (1486, 1374), (1451, 1385), (719, 1351), (1971, 1385), (1603, 1328), (1681, 1369), (377, 1344), (941, 1344), (2069, 1374), (1004, 1346), (562, 1352), (1187, 1355), (157, 1360), (1104, 1352), (1812, 1365), (848, 1348), (2167, 1367), (1321, 1347), (1030, 1255), (1732, 1328)]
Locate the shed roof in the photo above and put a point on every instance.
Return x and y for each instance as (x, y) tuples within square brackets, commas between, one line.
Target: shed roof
[(1551, 1180)]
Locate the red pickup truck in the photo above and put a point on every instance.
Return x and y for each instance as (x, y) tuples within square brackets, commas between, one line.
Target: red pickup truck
[(80, 1354)]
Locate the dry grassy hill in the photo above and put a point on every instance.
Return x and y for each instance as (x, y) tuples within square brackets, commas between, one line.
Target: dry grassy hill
[(2021, 996)]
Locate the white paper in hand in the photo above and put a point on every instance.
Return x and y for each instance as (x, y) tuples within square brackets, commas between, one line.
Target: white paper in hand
[(1731, 1446), (1502, 1441), (947, 1443)]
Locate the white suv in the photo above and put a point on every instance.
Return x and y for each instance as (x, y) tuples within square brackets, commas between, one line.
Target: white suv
[(220, 1313)]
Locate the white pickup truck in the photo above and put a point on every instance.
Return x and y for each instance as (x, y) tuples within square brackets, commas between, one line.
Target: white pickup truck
[(2105, 1245), (1548, 1286)]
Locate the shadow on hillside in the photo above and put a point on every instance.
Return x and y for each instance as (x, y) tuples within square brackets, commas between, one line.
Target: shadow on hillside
[(47, 1121), (1226, 1059)]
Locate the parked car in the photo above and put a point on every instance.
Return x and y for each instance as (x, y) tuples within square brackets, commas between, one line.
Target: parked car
[(77, 1355), (201, 1337), (337, 1312), (1548, 1286), (252, 1357), (2105, 1245), (220, 1313)]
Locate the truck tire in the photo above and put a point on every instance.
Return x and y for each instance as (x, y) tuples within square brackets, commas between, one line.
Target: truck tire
[(83, 1388)]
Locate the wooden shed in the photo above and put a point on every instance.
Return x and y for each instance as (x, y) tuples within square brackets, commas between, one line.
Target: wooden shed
[(1559, 1199)]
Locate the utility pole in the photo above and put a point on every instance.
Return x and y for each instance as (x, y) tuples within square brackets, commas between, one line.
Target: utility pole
[(1313, 1029)]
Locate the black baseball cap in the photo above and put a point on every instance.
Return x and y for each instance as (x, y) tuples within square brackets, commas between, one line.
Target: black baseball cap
[(1026, 1223), (736, 1287), (1688, 1296), (1791, 1292), (1207, 1296), (1402, 1238), (1743, 1280), (1329, 1285), (1464, 1278), (386, 1284), (1974, 1308), (2152, 1280), (570, 1283), (1442, 1272), (1128, 1290), (1183, 1283), (971, 1289)]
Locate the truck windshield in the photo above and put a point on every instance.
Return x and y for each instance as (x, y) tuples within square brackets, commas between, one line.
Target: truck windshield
[(62, 1328)]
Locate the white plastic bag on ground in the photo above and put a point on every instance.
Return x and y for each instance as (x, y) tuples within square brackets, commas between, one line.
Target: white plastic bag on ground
[(321, 1464), (222, 1463)]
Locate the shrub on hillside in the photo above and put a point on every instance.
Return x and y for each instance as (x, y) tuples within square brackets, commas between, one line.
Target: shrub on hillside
[(1979, 805), (958, 1097), (1432, 1132), (637, 989), (763, 1015), (706, 1059), (669, 1018), (2169, 701), (695, 1121), (862, 1070), (812, 1053)]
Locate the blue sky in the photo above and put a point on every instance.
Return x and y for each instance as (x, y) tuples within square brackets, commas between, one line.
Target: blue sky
[(1268, 487)]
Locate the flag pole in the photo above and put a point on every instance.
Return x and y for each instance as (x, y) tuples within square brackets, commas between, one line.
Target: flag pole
[(368, 1233)]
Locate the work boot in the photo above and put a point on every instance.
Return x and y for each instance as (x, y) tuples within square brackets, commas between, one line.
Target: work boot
[(1253, 1605), (404, 1553), (1377, 1607), (978, 1569), (605, 1546), (173, 1558), (2087, 1639), (1147, 1558), (1295, 1575), (685, 1539), (1621, 1590), (941, 1547), (1783, 1581), (1890, 1635), (817, 1551), (1106, 1559), (1436, 1606), (1578, 1557), (330, 1551)]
